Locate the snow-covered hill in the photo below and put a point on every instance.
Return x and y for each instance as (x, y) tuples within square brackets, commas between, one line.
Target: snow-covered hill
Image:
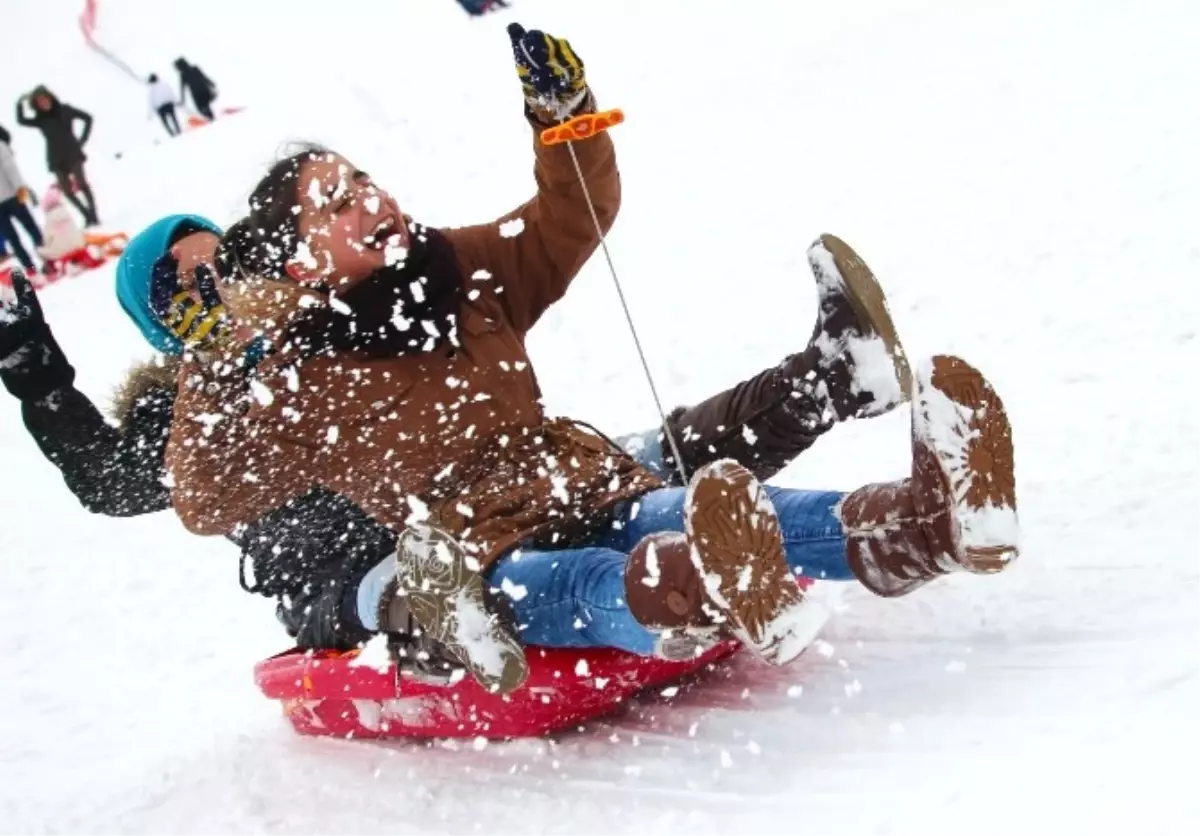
[(1024, 179)]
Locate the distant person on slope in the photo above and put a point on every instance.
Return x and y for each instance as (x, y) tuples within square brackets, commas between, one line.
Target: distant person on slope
[(204, 92), (64, 150), (477, 8), (6, 138), (162, 102), (397, 375), (63, 237), (14, 197)]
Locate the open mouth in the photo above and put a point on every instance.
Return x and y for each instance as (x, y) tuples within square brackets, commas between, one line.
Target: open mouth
[(386, 232)]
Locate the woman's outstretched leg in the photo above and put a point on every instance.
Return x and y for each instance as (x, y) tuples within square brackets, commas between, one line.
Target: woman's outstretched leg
[(853, 367), (572, 598), (956, 510), (670, 592), (813, 537), (721, 555)]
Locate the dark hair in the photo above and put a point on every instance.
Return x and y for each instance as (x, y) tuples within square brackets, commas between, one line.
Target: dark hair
[(228, 257), (153, 78), (5, 136), (43, 90), (262, 243)]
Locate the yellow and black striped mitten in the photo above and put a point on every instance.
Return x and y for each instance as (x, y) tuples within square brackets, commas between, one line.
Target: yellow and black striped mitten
[(551, 74), (197, 322)]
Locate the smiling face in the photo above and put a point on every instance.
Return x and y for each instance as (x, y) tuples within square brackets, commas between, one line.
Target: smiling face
[(349, 227)]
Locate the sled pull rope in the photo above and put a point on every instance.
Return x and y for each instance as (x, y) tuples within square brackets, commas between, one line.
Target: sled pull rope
[(583, 127)]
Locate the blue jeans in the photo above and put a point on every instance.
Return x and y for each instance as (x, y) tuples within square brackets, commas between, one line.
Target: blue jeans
[(576, 597), (14, 210)]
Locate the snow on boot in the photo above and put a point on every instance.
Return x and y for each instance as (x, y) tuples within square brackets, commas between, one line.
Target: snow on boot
[(416, 654), (666, 594), (861, 369), (737, 546), (445, 594), (958, 509), (852, 367)]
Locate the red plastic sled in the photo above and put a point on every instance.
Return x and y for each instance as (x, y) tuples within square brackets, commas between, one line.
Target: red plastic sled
[(100, 247), (195, 120), (325, 693)]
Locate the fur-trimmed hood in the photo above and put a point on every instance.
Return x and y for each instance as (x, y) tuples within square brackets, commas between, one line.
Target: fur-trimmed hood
[(160, 373)]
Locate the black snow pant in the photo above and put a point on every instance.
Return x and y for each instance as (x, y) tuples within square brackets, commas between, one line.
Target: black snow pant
[(14, 210), (167, 114), (76, 172)]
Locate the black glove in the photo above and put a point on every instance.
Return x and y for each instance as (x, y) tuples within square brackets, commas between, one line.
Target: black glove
[(31, 363), (551, 74)]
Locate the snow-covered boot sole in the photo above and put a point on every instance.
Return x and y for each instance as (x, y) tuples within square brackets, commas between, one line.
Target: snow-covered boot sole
[(880, 365), (737, 546), (445, 593), (960, 418)]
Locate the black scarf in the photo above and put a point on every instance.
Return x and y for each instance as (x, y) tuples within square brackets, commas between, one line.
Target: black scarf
[(410, 307)]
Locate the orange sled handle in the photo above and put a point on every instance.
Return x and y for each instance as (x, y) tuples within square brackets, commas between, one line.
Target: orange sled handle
[(584, 126)]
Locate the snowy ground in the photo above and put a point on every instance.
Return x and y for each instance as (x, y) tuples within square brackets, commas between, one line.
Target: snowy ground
[(1025, 181)]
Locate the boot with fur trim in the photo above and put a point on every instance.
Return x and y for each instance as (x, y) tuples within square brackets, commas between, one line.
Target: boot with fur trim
[(958, 509), (853, 367), (666, 594)]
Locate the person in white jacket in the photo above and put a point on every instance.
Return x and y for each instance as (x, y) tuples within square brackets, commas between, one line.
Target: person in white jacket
[(64, 238), (14, 195), (162, 102)]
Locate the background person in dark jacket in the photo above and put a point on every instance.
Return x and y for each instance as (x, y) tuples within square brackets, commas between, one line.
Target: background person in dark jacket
[(203, 90), (64, 150)]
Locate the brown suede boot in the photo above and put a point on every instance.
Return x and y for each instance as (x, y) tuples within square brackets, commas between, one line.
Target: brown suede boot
[(737, 546), (958, 510), (853, 367), (666, 594)]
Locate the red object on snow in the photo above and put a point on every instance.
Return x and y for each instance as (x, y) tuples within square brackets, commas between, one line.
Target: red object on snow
[(332, 694), (197, 121), (98, 249), (325, 693)]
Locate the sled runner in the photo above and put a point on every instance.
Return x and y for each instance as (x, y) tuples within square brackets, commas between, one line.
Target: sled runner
[(332, 694)]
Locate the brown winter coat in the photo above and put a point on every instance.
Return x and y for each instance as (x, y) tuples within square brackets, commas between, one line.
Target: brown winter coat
[(458, 434)]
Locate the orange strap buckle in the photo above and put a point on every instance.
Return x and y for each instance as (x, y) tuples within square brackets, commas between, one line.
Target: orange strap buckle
[(584, 126)]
